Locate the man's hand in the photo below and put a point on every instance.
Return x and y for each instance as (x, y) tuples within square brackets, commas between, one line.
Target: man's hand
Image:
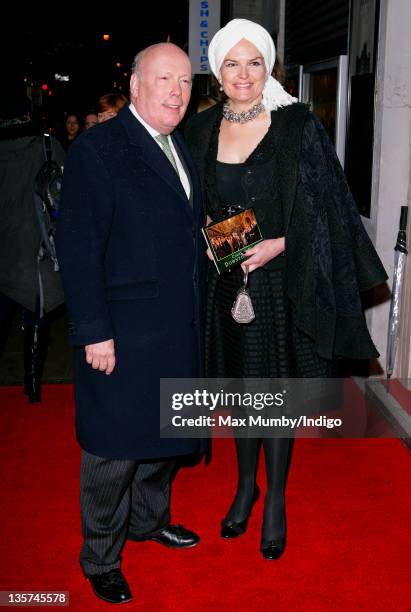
[(101, 356), (262, 252)]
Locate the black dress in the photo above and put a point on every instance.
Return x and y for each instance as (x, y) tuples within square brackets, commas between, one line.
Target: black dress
[(271, 346)]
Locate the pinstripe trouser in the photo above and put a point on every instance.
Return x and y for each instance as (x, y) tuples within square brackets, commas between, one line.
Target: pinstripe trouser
[(118, 497)]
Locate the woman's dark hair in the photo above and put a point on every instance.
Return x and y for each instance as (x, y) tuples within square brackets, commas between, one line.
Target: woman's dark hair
[(279, 70)]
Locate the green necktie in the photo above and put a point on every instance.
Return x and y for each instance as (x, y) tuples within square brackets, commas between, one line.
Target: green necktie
[(165, 145)]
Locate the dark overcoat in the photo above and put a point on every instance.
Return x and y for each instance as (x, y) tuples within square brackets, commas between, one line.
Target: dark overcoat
[(131, 253)]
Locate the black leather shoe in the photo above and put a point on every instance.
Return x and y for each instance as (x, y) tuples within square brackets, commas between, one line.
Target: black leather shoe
[(111, 586), (172, 536), (230, 529), (272, 549)]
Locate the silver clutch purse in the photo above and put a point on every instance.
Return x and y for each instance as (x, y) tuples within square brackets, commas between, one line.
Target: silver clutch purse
[(242, 310)]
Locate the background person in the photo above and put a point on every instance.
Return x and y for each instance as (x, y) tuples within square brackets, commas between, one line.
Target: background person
[(90, 120), (205, 102), (109, 105), (71, 130), (27, 280)]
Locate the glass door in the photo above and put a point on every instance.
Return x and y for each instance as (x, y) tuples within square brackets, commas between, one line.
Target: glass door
[(324, 88)]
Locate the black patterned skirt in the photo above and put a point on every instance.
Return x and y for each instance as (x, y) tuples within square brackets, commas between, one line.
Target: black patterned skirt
[(271, 346)]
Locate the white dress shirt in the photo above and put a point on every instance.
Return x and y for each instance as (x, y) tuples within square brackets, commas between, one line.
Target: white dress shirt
[(181, 172)]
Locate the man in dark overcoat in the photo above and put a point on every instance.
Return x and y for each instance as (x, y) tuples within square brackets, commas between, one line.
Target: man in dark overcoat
[(130, 249)]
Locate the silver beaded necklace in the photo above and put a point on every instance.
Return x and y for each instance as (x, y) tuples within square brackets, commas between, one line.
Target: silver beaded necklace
[(244, 116)]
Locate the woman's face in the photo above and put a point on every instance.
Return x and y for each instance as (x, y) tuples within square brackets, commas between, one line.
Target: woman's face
[(72, 126), (243, 74)]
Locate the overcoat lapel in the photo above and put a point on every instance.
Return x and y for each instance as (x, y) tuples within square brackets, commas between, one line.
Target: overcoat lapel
[(195, 200), (183, 161), (149, 152)]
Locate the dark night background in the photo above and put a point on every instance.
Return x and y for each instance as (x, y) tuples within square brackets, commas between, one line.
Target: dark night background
[(35, 47)]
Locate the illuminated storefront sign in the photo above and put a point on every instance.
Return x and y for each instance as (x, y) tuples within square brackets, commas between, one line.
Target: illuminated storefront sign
[(204, 23)]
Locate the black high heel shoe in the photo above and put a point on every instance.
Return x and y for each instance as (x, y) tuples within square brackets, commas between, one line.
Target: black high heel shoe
[(272, 549), (231, 529)]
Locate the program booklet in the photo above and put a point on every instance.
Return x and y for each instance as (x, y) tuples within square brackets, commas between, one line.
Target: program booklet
[(230, 238)]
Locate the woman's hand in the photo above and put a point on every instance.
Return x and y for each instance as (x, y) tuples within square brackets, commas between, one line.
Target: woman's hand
[(263, 252)]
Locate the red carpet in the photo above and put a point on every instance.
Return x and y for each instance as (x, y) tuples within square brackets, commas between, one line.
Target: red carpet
[(348, 524)]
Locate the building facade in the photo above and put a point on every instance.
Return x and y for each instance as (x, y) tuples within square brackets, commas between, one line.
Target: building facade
[(350, 59)]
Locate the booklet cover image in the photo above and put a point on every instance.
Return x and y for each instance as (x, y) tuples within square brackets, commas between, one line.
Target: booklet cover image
[(230, 238)]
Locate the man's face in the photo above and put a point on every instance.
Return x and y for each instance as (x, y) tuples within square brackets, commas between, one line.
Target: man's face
[(161, 92)]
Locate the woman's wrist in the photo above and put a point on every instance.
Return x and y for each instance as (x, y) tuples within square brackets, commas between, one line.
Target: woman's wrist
[(278, 246), (282, 244)]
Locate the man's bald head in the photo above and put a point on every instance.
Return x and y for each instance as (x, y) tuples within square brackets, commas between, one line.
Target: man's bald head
[(160, 85), (153, 50)]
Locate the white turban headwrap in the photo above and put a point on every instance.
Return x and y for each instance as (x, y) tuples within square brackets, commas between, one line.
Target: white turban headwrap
[(274, 94)]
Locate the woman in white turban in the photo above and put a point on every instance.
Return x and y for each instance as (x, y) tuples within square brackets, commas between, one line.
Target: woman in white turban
[(262, 149)]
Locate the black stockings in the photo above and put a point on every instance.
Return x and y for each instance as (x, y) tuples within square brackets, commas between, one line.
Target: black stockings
[(277, 453), (247, 452)]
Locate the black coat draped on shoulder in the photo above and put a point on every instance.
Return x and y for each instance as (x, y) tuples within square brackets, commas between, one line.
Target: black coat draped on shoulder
[(329, 257), (21, 157)]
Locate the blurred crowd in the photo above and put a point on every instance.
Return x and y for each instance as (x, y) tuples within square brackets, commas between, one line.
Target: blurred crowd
[(74, 123)]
